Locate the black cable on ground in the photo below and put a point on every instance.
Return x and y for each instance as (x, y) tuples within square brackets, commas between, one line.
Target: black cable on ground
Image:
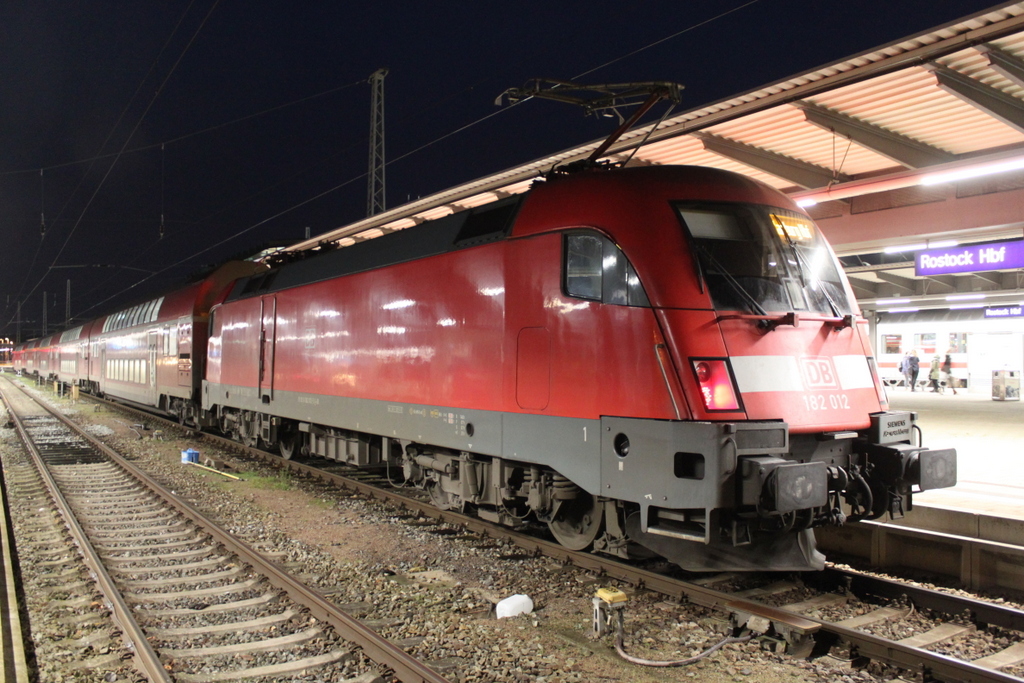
[(619, 637)]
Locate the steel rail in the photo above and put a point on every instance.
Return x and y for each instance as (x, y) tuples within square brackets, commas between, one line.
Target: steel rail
[(860, 584), (931, 665), (14, 653), (407, 668), (146, 658)]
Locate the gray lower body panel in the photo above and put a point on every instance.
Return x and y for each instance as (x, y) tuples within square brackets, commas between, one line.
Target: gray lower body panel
[(570, 445)]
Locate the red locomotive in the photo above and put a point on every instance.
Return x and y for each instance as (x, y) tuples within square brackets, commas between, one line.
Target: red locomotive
[(660, 360)]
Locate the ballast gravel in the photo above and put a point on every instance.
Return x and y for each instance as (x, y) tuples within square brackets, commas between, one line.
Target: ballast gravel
[(431, 588)]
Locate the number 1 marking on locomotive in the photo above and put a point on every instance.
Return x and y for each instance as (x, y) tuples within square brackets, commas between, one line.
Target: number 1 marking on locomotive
[(584, 435)]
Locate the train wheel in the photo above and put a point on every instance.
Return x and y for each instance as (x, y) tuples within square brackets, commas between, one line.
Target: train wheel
[(288, 442), (439, 497), (577, 522), (247, 431)]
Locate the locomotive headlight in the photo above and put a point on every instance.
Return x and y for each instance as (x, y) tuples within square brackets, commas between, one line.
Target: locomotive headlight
[(703, 371), (717, 387)]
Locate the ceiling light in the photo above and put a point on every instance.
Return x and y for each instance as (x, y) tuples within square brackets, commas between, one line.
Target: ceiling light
[(962, 306), (905, 248), (902, 310), (975, 171), (890, 302), (806, 202), (1000, 162), (964, 297)]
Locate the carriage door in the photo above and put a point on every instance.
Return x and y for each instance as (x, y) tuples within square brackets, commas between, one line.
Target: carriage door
[(268, 315), (184, 352), (150, 376)]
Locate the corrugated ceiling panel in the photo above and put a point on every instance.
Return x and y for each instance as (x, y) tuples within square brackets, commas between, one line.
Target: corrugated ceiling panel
[(860, 99), (911, 103), (975, 65), (1012, 44), (784, 130), (689, 151)]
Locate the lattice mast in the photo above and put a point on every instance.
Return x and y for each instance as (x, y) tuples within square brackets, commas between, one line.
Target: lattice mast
[(375, 189)]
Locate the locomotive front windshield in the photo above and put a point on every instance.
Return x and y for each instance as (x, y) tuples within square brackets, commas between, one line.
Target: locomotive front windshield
[(761, 259)]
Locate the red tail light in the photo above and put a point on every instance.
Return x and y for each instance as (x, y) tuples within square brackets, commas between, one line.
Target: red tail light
[(716, 384), (883, 399)]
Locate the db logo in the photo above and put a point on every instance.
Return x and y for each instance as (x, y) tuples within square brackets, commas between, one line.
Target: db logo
[(819, 372)]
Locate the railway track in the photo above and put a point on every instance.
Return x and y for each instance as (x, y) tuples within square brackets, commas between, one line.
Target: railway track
[(192, 603), (805, 616)]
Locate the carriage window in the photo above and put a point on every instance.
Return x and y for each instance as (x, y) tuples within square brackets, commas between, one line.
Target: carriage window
[(596, 269), (924, 342), (893, 343)]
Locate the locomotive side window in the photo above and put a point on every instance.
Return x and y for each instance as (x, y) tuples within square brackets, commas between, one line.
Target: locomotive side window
[(760, 259), (583, 272), (597, 270)]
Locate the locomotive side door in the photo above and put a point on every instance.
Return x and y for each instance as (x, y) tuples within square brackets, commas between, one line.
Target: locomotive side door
[(268, 326)]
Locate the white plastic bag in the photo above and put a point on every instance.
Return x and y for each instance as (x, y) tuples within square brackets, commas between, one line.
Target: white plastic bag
[(514, 606)]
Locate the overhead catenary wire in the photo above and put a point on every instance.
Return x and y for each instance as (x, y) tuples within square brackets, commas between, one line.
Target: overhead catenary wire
[(186, 136), (162, 184), (42, 204), (487, 117), (138, 123), (328, 191), (228, 239), (265, 189), (668, 38), (117, 124)]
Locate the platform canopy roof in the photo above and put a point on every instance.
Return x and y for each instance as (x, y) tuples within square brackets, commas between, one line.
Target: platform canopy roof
[(913, 142)]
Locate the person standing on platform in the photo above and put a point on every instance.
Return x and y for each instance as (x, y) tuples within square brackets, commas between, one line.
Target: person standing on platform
[(933, 374), (905, 370), (947, 371), (914, 363)]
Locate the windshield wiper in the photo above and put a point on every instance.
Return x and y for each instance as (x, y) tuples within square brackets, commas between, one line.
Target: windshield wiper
[(739, 289), (803, 265)]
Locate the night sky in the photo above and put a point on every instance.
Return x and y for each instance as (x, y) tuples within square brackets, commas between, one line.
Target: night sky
[(244, 122)]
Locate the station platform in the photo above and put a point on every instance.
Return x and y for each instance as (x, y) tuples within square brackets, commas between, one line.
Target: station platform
[(989, 439), (972, 533)]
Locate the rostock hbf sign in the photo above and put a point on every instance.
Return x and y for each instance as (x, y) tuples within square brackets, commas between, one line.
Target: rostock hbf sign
[(994, 256)]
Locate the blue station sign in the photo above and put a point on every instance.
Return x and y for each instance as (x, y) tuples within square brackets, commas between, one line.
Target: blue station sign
[(994, 256), (1004, 312)]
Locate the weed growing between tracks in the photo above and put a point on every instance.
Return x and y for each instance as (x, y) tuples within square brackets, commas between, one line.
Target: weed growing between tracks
[(276, 482)]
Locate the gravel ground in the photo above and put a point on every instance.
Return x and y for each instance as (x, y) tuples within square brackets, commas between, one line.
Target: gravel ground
[(431, 587), (69, 624)]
